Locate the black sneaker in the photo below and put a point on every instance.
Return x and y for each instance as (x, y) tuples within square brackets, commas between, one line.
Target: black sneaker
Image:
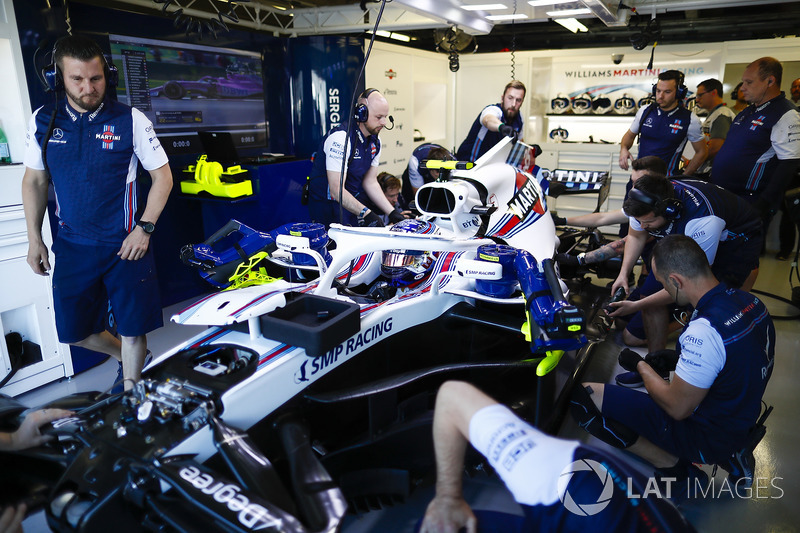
[(682, 482), (741, 467), (631, 380), (119, 382)]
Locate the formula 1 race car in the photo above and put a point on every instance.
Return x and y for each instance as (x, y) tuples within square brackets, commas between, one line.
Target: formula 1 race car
[(322, 379), (233, 85)]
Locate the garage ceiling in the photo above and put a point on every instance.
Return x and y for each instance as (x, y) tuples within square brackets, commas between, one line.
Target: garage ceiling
[(608, 22)]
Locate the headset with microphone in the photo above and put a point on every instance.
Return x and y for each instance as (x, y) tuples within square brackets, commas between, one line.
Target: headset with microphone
[(361, 111), (670, 208), (53, 78)]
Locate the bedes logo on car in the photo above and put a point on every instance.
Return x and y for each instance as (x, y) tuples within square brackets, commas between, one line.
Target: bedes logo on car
[(107, 138), (250, 515)]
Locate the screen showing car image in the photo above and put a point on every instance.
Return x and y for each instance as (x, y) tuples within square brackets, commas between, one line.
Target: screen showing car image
[(186, 88)]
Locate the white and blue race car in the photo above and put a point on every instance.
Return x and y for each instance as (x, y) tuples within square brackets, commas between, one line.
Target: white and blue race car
[(311, 390)]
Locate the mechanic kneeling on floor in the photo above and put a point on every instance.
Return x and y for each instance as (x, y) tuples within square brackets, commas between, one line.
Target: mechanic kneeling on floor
[(705, 413)]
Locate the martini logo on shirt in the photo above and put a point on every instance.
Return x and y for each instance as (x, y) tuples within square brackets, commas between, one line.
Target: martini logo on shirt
[(676, 126), (756, 122), (107, 138)]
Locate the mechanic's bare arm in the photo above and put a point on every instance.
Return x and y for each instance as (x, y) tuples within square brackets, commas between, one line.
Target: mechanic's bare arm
[(700, 155), (491, 122), (374, 191), (678, 398), (34, 201), (593, 220), (456, 403), (625, 307), (634, 244), (625, 149), (137, 242), (607, 251)]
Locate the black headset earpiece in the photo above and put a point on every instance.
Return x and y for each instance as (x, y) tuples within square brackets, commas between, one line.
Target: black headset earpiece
[(669, 208), (674, 283), (683, 90), (361, 111), (54, 79)]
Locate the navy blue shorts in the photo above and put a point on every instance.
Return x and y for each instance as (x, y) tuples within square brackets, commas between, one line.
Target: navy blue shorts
[(682, 438), (86, 277), (650, 286)]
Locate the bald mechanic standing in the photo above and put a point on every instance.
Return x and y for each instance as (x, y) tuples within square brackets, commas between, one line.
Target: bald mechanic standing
[(361, 169)]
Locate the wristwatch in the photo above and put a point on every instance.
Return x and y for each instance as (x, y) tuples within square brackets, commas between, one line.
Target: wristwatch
[(148, 227)]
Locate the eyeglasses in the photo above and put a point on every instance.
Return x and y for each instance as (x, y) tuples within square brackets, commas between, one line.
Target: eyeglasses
[(698, 95)]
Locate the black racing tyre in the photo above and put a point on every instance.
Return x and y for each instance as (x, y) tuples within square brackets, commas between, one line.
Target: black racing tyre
[(174, 90)]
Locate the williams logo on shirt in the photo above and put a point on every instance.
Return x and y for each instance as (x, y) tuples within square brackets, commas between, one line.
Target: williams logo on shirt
[(107, 138)]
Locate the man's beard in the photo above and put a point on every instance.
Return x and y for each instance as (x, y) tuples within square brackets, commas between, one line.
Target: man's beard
[(511, 113), (83, 103)]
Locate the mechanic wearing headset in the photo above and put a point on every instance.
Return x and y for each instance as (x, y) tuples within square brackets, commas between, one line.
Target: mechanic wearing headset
[(705, 413), (533, 466), (725, 226), (495, 122), (360, 170), (762, 151), (664, 126), (103, 241), (642, 166)]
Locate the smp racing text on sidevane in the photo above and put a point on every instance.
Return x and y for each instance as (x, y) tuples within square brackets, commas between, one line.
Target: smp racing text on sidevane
[(311, 367)]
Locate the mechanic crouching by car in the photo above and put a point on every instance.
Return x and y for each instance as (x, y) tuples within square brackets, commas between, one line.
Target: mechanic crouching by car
[(549, 477), (360, 169), (725, 226), (705, 413)]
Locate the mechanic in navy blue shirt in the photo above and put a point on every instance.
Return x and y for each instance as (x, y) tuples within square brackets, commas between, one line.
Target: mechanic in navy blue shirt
[(416, 176), (360, 169), (727, 229), (495, 122), (561, 485), (103, 241), (762, 151), (664, 127), (705, 413)]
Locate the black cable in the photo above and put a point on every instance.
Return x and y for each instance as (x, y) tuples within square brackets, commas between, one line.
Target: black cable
[(780, 299), (352, 107), (513, 44)]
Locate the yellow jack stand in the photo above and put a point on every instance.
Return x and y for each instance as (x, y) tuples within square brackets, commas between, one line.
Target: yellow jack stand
[(208, 177)]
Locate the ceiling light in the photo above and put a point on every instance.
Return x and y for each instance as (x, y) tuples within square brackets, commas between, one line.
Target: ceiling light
[(508, 17), (569, 12), (485, 7), (391, 35), (537, 3), (572, 25)]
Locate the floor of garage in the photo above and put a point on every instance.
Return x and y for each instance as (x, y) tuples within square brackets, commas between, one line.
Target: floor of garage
[(772, 508)]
